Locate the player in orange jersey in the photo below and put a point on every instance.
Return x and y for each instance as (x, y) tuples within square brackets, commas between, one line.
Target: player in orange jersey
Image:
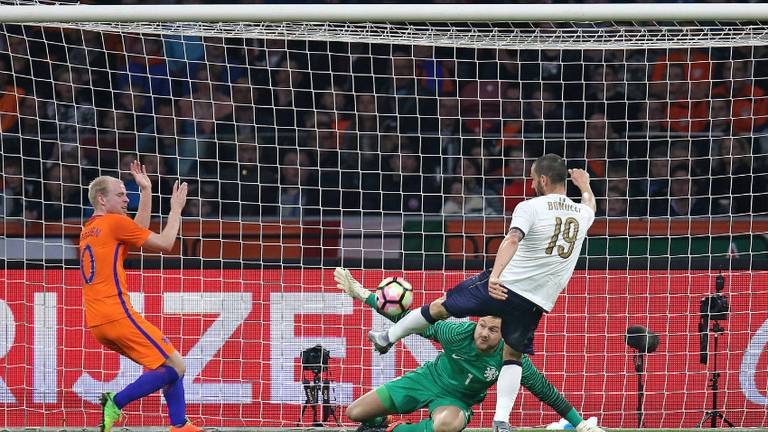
[(104, 244)]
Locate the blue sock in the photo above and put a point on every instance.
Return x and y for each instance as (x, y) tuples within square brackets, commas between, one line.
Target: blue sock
[(177, 406), (149, 382)]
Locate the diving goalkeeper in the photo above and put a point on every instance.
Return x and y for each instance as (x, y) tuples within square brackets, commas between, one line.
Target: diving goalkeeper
[(453, 382)]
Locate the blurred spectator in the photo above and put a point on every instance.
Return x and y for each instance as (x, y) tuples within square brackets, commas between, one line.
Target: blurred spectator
[(543, 114), (147, 69), (192, 208), (202, 120), (298, 186), (687, 112), (12, 191), (131, 187), (720, 117), (509, 66), (210, 199), (462, 199), (481, 106), (184, 54), (454, 198), (162, 181), (732, 177), (518, 186), (53, 199), (403, 90), (681, 199), (477, 198), (72, 191), (602, 146), (450, 135), (749, 109), (658, 172), (650, 118), (436, 78), (198, 206), (29, 121), (70, 110), (615, 204), (375, 126), (20, 61), (9, 98), (601, 132), (365, 108), (618, 204), (241, 184), (542, 65), (405, 189), (695, 67), (618, 178), (223, 68), (512, 115), (160, 137), (244, 99), (605, 93), (209, 103), (289, 94)]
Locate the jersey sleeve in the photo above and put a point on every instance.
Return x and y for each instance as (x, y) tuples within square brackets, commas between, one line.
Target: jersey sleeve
[(127, 231), (589, 214), (523, 217), (449, 333)]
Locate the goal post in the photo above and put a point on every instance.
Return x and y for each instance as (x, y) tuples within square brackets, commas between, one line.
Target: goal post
[(355, 13), (394, 140)]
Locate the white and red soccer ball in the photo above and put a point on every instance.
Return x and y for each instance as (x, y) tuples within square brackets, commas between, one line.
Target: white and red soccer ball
[(394, 295)]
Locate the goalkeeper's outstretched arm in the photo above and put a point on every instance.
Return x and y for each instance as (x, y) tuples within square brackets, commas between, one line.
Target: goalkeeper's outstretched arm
[(354, 289)]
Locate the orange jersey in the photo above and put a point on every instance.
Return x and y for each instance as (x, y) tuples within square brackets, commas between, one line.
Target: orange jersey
[(104, 245)]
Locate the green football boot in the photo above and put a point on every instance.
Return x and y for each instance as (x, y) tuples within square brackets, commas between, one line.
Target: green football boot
[(110, 413)]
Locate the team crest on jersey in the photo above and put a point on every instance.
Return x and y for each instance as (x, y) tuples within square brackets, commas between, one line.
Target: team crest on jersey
[(491, 373)]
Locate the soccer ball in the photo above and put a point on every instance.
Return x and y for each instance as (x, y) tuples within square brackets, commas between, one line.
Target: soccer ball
[(394, 296)]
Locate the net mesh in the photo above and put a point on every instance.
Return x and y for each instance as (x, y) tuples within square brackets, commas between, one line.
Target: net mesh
[(515, 35), (392, 150)]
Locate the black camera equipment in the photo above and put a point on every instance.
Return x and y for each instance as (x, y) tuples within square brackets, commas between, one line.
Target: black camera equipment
[(713, 308), (644, 342), (316, 360)]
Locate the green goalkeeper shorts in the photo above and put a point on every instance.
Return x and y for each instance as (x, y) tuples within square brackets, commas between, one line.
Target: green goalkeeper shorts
[(416, 390)]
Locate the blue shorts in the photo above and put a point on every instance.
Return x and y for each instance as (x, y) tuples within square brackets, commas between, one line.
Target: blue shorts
[(519, 316)]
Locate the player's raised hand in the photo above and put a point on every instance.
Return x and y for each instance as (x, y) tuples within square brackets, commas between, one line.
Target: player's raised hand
[(579, 177), (179, 196), (350, 285), (140, 176), (496, 289)]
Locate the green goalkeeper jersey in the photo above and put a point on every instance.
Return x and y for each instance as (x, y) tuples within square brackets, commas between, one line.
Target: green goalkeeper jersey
[(460, 370)]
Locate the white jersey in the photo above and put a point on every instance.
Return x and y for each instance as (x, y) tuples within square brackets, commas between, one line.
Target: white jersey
[(554, 228)]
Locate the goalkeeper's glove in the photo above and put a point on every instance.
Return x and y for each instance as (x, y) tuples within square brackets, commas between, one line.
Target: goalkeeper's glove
[(350, 285)]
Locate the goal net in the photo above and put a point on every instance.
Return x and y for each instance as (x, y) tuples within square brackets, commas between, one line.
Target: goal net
[(392, 149)]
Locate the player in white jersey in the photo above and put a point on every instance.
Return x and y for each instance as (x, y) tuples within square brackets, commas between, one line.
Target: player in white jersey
[(540, 273), (533, 265)]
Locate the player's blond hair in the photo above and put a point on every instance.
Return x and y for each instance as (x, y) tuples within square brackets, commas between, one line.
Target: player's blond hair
[(99, 186)]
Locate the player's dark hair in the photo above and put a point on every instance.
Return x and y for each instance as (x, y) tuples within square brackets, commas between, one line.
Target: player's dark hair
[(552, 166)]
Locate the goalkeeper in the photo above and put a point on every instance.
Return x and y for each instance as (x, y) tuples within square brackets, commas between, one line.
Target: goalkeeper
[(452, 383)]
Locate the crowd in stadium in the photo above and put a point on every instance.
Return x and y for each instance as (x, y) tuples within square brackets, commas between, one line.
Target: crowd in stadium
[(261, 128)]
